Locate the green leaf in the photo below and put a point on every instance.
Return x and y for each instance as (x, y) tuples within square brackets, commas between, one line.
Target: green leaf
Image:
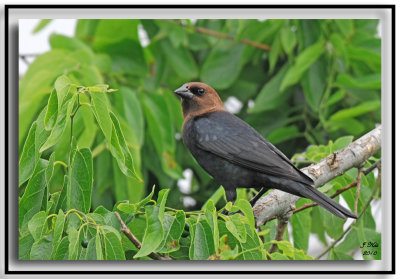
[(101, 111), (99, 250), (62, 119), (346, 26), (176, 34), (173, 228), (236, 227), (338, 256), (203, 241), (112, 247), (127, 57), (52, 111), (64, 42), (109, 129), (63, 86), (302, 62), (156, 112), (350, 125), (133, 112), (37, 83), (361, 109), (313, 83), (90, 253), (372, 81), (126, 188), (127, 165), (350, 243), (288, 39), (211, 217), (339, 46), (342, 142), (31, 201), (154, 233), (36, 225), (58, 231), (161, 200), (284, 133), (119, 39), (24, 246), (286, 247), (89, 128), (276, 49), (74, 244), (336, 97), (253, 248), (278, 257), (81, 181), (133, 208), (180, 59), (62, 249), (270, 97), (62, 200), (86, 28), (41, 249), (332, 224), (245, 207), (222, 66), (107, 228), (371, 58), (29, 157), (301, 227), (372, 239), (42, 24), (114, 30)]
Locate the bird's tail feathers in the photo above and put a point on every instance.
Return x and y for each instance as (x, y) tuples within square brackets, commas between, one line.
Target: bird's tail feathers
[(326, 202)]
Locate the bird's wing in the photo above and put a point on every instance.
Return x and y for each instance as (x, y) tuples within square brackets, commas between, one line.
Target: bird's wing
[(227, 136)]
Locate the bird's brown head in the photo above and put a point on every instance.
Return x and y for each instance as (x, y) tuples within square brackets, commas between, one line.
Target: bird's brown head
[(198, 98)]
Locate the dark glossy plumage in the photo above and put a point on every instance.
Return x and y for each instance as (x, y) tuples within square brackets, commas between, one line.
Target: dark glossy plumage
[(236, 155)]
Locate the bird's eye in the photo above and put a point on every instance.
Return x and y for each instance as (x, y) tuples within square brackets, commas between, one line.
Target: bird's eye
[(201, 91)]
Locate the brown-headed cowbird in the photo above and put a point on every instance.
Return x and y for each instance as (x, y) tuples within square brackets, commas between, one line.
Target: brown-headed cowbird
[(236, 155)]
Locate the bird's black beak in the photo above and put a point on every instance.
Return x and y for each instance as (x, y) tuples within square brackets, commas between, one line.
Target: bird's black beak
[(184, 92)]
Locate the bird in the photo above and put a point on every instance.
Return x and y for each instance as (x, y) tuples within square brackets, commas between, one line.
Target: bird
[(236, 155)]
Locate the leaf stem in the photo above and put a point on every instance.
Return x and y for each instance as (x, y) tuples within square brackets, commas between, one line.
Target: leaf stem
[(61, 163)]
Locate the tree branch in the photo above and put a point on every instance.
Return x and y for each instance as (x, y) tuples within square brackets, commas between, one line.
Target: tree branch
[(280, 231), (136, 241), (223, 35), (278, 203)]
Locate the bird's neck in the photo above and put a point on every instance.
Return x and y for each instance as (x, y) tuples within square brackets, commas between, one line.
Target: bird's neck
[(192, 109)]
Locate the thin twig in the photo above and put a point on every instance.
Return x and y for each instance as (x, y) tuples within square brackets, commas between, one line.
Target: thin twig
[(223, 35), (373, 166), (378, 183), (136, 241), (358, 189)]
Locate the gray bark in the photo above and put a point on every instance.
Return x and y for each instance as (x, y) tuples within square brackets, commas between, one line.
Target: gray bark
[(278, 203)]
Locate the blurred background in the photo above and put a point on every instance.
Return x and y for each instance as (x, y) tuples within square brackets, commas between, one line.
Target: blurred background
[(300, 83)]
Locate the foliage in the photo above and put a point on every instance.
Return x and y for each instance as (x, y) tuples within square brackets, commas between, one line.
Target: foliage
[(87, 150)]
